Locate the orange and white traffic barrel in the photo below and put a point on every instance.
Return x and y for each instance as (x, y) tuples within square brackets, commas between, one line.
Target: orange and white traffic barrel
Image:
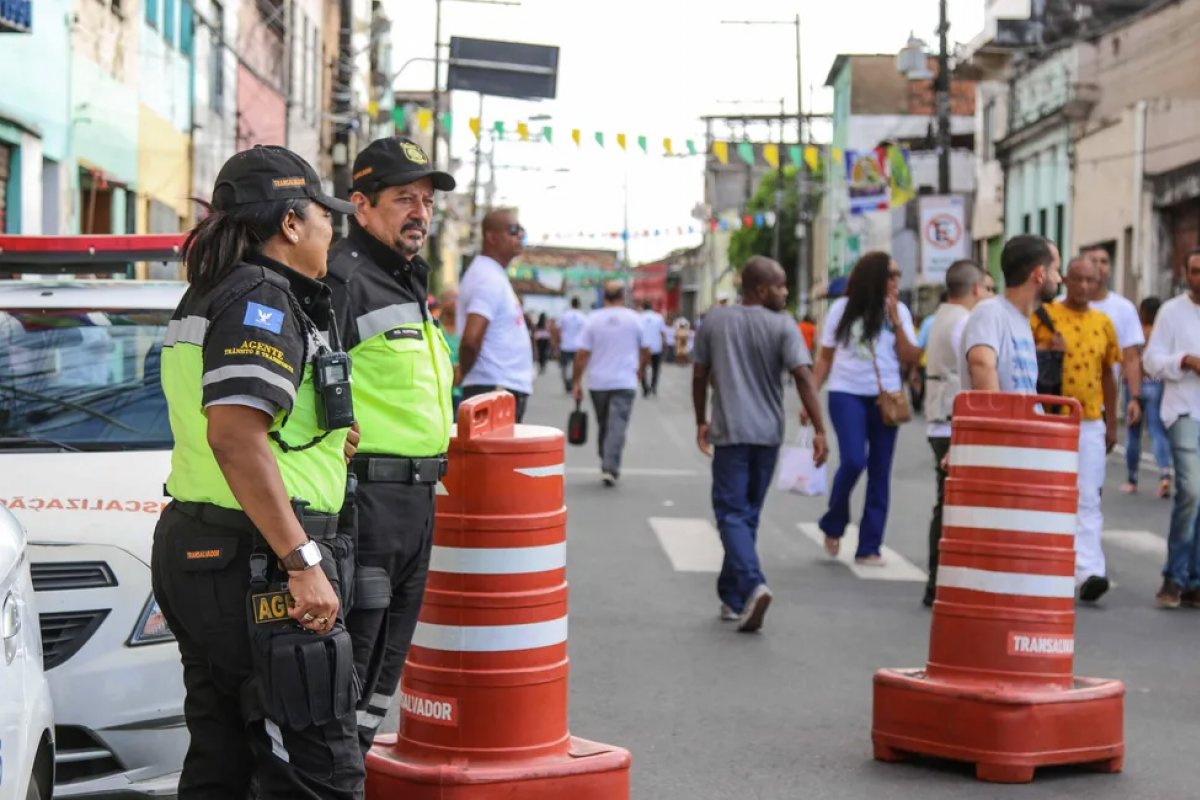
[(483, 695), (999, 687)]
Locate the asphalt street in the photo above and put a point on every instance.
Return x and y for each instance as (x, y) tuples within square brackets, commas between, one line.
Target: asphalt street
[(710, 713)]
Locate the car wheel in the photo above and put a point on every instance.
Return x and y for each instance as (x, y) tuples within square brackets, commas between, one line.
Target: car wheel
[(34, 792)]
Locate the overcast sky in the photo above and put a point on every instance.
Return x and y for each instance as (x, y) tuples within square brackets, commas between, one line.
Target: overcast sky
[(650, 67)]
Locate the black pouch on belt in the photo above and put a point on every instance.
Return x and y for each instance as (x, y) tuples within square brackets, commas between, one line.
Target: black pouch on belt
[(302, 678)]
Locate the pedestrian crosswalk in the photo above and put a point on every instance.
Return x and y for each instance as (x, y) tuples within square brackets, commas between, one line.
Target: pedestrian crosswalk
[(692, 544)]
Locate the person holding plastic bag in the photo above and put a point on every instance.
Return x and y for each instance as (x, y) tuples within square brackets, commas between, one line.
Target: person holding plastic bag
[(799, 472), (743, 351)]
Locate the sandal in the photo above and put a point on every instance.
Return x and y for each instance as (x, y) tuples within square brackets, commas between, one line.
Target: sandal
[(832, 546), (1164, 486), (1128, 487), (870, 561)]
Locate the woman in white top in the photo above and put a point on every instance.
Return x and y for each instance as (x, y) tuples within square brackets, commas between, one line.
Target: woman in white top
[(867, 342)]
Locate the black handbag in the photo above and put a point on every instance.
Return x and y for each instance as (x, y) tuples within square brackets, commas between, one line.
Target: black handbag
[(577, 425), (1050, 362)]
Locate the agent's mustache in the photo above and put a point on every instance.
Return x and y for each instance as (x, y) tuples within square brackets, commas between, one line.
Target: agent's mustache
[(414, 226)]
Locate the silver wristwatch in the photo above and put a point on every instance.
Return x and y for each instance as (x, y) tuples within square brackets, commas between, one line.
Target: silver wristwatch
[(303, 557)]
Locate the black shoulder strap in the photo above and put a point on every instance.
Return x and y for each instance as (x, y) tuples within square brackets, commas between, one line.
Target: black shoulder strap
[(1044, 317)]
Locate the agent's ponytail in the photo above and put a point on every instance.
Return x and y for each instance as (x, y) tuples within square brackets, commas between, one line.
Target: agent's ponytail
[(225, 238)]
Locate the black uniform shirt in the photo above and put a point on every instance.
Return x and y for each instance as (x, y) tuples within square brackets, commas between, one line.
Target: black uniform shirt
[(258, 340)]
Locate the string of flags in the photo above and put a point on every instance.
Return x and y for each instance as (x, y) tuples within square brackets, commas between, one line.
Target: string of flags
[(765, 219)]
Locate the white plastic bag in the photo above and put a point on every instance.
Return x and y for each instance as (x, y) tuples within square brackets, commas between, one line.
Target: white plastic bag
[(797, 472)]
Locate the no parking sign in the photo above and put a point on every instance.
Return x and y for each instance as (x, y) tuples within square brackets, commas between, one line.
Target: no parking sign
[(944, 237)]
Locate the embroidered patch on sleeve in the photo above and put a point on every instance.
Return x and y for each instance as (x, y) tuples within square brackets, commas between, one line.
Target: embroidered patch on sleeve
[(265, 317)]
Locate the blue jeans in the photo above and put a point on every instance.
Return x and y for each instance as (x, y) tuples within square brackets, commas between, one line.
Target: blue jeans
[(741, 475), (1159, 443), (864, 442), (1183, 543)]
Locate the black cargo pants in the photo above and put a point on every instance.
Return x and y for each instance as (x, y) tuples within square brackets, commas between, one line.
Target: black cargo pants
[(395, 538), (201, 578)]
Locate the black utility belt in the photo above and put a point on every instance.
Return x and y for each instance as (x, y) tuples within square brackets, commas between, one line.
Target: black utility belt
[(315, 524), (398, 469)]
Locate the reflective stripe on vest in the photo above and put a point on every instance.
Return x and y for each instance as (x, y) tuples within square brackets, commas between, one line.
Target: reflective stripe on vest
[(402, 383), (316, 474)]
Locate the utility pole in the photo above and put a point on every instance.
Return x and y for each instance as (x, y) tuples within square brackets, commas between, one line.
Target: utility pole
[(777, 228), (803, 279), (342, 104), (437, 80), (943, 102)]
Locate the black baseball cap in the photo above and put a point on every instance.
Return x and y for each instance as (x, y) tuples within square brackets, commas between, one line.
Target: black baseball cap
[(266, 173), (396, 161)]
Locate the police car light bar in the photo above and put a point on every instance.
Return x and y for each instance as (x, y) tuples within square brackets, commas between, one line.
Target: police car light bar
[(64, 254)]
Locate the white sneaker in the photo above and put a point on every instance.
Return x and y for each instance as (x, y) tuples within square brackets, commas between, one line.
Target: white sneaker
[(751, 618), (608, 479), (728, 614)]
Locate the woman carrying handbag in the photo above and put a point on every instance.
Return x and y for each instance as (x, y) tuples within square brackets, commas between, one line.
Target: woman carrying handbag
[(867, 344)]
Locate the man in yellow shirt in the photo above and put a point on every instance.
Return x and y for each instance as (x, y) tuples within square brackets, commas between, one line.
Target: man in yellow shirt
[(1088, 341)]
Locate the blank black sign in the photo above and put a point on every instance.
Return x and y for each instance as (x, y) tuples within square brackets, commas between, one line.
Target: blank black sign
[(505, 69)]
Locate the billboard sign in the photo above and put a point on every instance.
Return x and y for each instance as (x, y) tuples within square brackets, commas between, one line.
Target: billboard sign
[(503, 69)]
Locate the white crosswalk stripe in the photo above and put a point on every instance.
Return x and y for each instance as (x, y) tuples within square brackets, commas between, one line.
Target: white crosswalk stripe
[(896, 567), (1142, 543), (692, 544)]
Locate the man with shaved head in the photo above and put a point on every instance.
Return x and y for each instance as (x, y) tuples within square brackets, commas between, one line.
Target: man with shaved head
[(496, 351), (743, 352), (1088, 340), (614, 349)]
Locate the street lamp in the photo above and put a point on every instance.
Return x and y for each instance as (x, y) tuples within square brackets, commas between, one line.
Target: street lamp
[(913, 62)]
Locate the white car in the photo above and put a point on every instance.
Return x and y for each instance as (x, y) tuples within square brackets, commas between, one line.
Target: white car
[(26, 712), (85, 451)]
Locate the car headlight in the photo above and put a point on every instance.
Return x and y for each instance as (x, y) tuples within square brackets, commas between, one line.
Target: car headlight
[(152, 626)]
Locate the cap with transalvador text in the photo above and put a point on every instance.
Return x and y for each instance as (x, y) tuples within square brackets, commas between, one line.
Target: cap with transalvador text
[(269, 173), (395, 161)]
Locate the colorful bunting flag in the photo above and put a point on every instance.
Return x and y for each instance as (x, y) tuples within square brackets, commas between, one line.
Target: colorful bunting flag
[(621, 140), (691, 146), (448, 122), (576, 134), (641, 140), (372, 109), (498, 127), (837, 154), (794, 155), (425, 119), (600, 138), (523, 131), (667, 146), (812, 158), (745, 151), (771, 155), (473, 123), (398, 118), (548, 134), (721, 151)]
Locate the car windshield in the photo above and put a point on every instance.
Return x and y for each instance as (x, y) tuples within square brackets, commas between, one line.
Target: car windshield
[(82, 380)]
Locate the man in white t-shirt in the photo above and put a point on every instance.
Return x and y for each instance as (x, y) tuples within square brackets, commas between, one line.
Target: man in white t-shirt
[(615, 349), (966, 286), (570, 326), (1130, 336), (655, 331), (496, 351)]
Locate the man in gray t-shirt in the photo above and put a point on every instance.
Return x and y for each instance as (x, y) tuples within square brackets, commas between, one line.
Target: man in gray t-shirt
[(743, 351)]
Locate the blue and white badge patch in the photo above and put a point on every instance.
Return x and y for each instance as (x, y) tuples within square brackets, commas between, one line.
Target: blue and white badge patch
[(265, 317)]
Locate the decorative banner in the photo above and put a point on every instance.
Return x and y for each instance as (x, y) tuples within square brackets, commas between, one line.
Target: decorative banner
[(771, 155), (474, 124), (425, 119), (721, 151), (548, 134), (812, 157), (523, 131), (447, 123), (667, 146), (867, 179), (575, 135), (621, 140), (745, 151), (641, 140), (899, 175), (944, 238)]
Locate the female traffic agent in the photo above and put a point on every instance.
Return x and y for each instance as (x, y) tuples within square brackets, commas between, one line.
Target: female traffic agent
[(867, 344), (247, 562)]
